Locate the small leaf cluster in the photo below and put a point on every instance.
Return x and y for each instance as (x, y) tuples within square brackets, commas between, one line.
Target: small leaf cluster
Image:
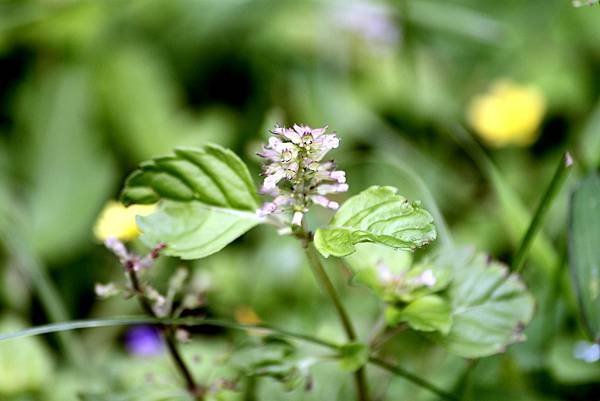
[(473, 307)]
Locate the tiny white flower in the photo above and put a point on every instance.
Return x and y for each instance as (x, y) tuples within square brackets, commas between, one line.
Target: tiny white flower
[(271, 181), (384, 273), (339, 176), (331, 188), (427, 278), (297, 219)]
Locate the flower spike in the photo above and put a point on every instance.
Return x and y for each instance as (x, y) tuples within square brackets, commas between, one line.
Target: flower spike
[(294, 174)]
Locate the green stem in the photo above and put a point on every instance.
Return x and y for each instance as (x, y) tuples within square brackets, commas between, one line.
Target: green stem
[(514, 215), (328, 287), (413, 378), (195, 322), (463, 386), (322, 277), (536, 222), (194, 389)]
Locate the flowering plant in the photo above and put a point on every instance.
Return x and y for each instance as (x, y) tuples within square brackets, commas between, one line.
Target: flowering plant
[(206, 199)]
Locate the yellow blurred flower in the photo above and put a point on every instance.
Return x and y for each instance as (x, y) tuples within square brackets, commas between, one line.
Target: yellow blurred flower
[(118, 221), (246, 315), (509, 114)]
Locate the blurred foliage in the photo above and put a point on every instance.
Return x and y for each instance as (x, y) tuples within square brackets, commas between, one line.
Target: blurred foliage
[(90, 88)]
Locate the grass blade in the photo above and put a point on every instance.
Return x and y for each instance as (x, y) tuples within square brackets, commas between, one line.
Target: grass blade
[(514, 214), (563, 169), (137, 320)]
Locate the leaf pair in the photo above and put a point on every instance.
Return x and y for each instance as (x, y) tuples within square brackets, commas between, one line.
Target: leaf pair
[(209, 200)]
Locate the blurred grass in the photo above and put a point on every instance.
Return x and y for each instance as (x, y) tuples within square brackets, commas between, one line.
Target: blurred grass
[(88, 89)]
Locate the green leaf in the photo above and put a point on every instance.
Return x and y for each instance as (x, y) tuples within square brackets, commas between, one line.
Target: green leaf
[(25, 365), (62, 191), (369, 255), (210, 200), (490, 307), (192, 231), (212, 175), (442, 275), (378, 215), (353, 356), (428, 313), (584, 251)]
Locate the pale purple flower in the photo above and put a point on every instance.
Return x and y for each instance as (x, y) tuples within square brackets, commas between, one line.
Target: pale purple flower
[(118, 248), (106, 290), (371, 21), (323, 201), (331, 188), (131, 261), (384, 273), (295, 175), (297, 218), (400, 284), (426, 278), (339, 176)]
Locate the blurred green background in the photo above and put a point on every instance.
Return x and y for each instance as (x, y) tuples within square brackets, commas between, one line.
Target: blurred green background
[(88, 89)]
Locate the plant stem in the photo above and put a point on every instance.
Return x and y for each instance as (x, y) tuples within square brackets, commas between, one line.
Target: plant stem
[(413, 378), (195, 390), (322, 277), (327, 285), (536, 222), (513, 212), (196, 322)]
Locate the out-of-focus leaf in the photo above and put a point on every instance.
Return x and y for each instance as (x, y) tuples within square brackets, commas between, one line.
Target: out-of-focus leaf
[(68, 172), (368, 255), (191, 230), (378, 215), (273, 357), (71, 26), (353, 356), (490, 306), (584, 251), (428, 313), (589, 140), (25, 364), (388, 272), (456, 19), (212, 200), (139, 100)]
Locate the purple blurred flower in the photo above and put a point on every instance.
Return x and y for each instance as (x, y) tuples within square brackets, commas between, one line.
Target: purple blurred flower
[(143, 341), (372, 21)]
